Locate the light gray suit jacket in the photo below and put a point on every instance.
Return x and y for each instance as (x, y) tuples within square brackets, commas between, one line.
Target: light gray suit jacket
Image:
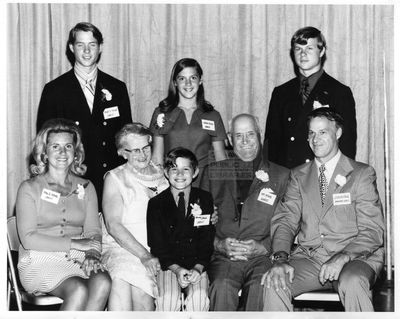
[(356, 228)]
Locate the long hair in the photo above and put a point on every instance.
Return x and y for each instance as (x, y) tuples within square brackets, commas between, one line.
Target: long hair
[(58, 125), (172, 100)]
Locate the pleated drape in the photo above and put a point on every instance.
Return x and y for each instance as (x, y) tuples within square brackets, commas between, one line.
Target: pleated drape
[(243, 49)]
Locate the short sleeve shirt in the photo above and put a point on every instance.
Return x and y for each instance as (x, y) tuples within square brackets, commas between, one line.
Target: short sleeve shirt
[(204, 128)]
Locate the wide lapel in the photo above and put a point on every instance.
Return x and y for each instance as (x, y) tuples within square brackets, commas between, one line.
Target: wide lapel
[(258, 184), (343, 168), (310, 183), (98, 94), (77, 97)]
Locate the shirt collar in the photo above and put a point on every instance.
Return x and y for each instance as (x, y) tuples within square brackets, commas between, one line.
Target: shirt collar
[(83, 76), (312, 79), (175, 194), (329, 165)]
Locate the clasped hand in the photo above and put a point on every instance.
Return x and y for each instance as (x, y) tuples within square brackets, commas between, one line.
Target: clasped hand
[(236, 249), (187, 277)]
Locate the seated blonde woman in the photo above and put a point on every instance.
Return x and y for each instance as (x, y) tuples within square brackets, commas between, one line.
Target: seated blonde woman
[(58, 223), (127, 190)]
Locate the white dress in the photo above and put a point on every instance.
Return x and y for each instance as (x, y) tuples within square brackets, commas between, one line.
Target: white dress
[(136, 190)]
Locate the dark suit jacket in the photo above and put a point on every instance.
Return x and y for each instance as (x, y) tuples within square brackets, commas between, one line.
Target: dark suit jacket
[(172, 237), (286, 130), (356, 227), (64, 97), (255, 218)]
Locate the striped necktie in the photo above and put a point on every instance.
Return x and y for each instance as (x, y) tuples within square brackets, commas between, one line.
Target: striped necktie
[(323, 183), (89, 86)]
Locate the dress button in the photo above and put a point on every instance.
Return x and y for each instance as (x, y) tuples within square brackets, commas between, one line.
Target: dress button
[(77, 122), (292, 138), (322, 235), (104, 143), (307, 160), (289, 119), (62, 225), (104, 123), (61, 232), (63, 210), (64, 220), (104, 164)]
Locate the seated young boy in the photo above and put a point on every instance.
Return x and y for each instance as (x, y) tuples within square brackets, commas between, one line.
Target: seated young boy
[(180, 234)]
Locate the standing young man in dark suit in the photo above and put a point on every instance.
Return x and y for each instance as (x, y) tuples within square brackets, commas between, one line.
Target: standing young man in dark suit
[(95, 101), (286, 128)]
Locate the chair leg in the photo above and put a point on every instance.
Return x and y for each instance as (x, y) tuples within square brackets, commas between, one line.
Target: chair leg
[(14, 282)]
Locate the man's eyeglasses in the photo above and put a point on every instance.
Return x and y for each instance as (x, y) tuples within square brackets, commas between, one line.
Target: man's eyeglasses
[(136, 151)]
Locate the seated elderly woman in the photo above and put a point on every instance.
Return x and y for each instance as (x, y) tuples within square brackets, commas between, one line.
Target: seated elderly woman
[(127, 190), (58, 223)]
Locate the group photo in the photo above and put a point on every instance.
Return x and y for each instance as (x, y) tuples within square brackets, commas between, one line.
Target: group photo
[(200, 158)]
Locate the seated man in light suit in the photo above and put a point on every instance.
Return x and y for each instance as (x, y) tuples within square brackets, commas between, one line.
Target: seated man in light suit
[(246, 189), (332, 203)]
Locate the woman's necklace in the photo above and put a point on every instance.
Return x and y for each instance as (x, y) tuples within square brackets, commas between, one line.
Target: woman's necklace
[(152, 173)]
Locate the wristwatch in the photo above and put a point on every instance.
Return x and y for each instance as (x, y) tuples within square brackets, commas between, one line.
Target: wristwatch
[(280, 256)]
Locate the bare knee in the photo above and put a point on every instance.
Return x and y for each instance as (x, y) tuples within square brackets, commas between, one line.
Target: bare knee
[(74, 292)]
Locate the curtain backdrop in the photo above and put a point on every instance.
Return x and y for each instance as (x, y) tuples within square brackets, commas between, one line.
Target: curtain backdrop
[(243, 50)]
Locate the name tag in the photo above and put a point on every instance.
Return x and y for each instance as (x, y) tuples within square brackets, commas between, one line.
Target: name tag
[(50, 196), (201, 220), (208, 125), (266, 196), (341, 199), (111, 112)]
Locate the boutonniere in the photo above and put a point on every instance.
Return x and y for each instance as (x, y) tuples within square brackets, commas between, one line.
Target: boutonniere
[(262, 175), (340, 180), (160, 120), (196, 210), (106, 94), (317, 105)]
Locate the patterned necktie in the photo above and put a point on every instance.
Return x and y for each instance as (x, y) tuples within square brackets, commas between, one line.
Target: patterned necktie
[(323, 183), (304, 90), (181, 203), (89, 86)]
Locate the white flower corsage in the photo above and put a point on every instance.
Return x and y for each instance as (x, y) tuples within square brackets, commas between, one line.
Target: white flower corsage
[(160, 120), (317, 105), (262, 175), (80, 191), (340, 180), (196, 210), (107, 94)]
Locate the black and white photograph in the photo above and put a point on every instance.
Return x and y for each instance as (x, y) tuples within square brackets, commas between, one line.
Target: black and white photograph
[(199, 159)]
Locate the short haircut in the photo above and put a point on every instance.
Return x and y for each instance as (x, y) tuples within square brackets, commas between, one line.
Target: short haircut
[(327, 113), (86, 27), (131, 128), (170, 158), (58, 125), (252, 117), (302, 35)]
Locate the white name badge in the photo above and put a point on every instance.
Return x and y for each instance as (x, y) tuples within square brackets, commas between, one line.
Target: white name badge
[(201, 220), (266, 196), (111, 112), (341, 199), (50, 196), (208, 125)]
